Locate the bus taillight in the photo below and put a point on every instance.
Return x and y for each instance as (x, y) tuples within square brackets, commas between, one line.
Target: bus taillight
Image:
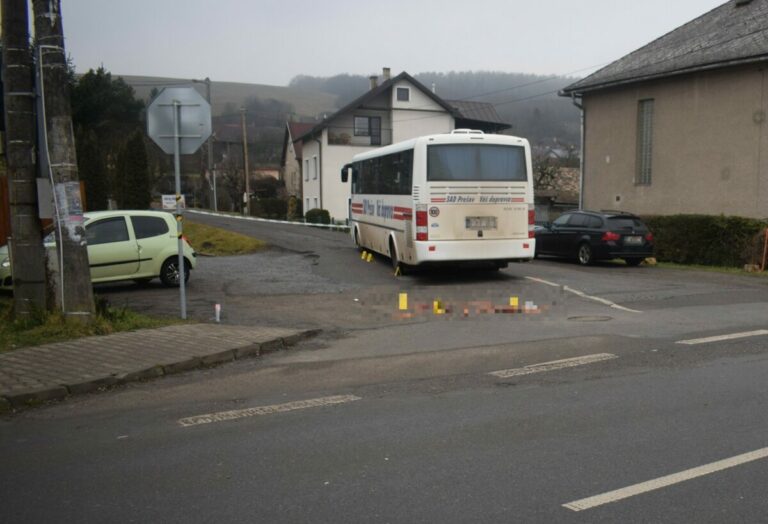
[(531, 221), (422, 222)]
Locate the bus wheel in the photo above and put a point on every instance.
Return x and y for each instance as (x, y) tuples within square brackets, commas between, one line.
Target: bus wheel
[(395, 258), (357, 239)]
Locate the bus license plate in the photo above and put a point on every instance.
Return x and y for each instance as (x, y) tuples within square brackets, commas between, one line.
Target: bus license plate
[(480, 222), (633, 240)]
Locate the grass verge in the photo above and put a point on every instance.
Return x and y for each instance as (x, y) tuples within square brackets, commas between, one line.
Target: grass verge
[(713, 269), (214, 241), (44, 328)]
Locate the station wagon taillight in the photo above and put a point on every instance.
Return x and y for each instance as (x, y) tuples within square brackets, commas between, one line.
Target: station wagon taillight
[(610, 236), (649, 237)]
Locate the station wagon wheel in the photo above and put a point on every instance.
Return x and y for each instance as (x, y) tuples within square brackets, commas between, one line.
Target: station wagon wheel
[(584, 254), (169, 272)]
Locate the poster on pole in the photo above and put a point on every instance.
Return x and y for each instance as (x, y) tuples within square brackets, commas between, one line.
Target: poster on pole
[(169, 202)]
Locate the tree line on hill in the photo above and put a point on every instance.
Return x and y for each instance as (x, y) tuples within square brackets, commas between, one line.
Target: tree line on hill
[(528, 102)]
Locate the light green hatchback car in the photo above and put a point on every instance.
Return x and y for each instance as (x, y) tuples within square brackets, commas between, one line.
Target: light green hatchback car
[(125, 245)]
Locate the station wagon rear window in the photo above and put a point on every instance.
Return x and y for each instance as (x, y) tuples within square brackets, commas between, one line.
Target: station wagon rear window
[(625, 223), (476, 162)]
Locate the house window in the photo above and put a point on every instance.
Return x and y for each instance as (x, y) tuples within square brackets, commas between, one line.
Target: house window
[(306, 170), (403, 94), (315, 202), (314, 167), (369, 126), (644, 142), (307, 208), (362, 126)]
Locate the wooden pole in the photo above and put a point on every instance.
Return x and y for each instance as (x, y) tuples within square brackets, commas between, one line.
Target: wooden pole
[(26, 244), (247, 196), (765, 251), (72, 285)]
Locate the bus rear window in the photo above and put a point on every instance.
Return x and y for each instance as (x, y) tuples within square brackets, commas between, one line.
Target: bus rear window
[(476, 162)]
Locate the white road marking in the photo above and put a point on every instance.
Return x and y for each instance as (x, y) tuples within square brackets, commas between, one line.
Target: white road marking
[(553, 365), (542, 281), (719, 338), (663, 482), (584, 295), (266, 410)]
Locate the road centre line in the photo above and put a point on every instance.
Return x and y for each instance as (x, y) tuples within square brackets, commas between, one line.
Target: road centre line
[(663, 482), (584, 295), (720, 338), (266, 410), (553, 365)]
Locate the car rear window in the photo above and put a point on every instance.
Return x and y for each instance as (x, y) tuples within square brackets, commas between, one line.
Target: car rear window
[(625, 223), (106, 231), (578, 220), (146, 227)]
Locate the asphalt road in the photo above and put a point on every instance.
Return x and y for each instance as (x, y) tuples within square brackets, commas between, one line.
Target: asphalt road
[(616, 387)]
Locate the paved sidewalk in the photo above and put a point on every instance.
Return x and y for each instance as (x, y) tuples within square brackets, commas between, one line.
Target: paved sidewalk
[(53, 371)]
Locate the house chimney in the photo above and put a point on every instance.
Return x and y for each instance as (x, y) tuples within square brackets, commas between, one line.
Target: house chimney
[(373, 79), (385, 73), (434, 88)]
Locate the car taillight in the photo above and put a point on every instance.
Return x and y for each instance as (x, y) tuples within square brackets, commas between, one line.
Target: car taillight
[(531, 221), (610, 236), (422, 230), (649, 237)]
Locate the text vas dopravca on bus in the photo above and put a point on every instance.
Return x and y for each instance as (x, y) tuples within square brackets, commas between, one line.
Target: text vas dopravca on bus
[(459, 197)]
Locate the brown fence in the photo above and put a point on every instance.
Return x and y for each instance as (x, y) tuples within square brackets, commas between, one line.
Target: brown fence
[(5, 211)]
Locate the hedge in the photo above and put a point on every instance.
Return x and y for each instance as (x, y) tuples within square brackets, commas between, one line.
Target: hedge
[(318, 216), (275, 208), (708, 240)]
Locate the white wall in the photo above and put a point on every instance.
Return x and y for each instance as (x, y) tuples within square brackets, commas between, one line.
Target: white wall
[(419, 116), (311, 187)]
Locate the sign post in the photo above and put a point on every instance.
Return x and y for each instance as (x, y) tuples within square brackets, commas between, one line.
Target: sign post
[(179, 121)]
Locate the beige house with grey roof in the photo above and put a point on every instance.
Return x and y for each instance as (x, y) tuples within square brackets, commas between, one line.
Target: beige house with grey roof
[(679, 126)]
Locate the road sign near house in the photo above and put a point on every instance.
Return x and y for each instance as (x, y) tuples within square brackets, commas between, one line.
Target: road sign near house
[(169, 202), (194, 119)]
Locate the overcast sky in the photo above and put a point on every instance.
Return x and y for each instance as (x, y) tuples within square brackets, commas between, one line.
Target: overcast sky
[(271, 41)]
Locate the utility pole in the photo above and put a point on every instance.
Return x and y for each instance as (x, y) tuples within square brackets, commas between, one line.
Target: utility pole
[(247, 196), (26, 244), (73, 289), (209, 148), (209, 144)]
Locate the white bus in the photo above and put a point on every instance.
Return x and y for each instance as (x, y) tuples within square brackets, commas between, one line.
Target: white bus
[(459, 197)]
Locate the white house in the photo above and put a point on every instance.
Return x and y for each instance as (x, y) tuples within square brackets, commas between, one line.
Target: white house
[(398, 109)]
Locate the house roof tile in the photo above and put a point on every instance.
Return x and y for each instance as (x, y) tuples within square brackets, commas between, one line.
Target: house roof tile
[(732, 34)]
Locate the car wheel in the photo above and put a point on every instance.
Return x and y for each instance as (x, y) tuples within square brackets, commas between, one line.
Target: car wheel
[(635, 261), (584, 254), (169, 272), (357, 239)]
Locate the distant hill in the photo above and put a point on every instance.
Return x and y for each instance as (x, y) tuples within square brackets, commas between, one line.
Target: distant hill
[(228, 97)]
